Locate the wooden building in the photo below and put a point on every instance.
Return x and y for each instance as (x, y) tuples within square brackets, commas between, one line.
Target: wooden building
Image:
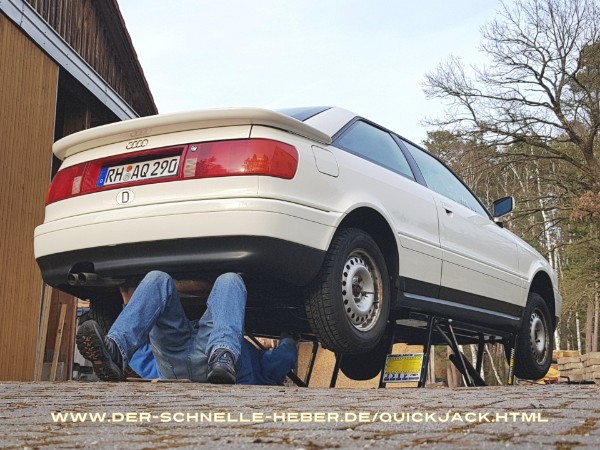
[(65, 65)]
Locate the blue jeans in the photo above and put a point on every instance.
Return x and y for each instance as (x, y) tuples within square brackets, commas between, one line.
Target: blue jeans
[(268, 367), (181, 347)]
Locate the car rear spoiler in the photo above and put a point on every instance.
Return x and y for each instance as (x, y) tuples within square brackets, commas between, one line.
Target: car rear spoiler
[(181, 121)]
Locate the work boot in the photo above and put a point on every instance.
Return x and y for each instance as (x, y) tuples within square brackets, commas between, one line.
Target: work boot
[(221, 367), (101, 351)]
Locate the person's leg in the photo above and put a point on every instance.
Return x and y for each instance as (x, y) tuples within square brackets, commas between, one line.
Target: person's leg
[(154, 305), (276, 363), (226, 309), (154, 311), (221, 328)]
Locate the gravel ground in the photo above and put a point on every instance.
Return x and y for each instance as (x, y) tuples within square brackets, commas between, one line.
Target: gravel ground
[(141, 415)]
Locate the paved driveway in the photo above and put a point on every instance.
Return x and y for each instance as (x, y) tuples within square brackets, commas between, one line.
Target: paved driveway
[(179, 415)]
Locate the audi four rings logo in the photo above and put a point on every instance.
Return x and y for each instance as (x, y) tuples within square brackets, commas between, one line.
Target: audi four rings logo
[(137, 144)]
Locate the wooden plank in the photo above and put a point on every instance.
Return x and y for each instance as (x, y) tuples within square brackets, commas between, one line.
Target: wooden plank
[(43, 331), (58, 341), (68, 347), (27, 110)]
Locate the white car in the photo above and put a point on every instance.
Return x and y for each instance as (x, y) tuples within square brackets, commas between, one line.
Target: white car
[(349, 224)]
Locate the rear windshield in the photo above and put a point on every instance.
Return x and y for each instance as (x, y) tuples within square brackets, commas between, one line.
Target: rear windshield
[(304, 113)]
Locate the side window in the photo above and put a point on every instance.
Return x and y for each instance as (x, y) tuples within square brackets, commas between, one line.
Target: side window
[(375, 145), (441, 180)]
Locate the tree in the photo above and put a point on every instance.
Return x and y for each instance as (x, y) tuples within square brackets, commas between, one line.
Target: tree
[(536, 108), (541, 90)]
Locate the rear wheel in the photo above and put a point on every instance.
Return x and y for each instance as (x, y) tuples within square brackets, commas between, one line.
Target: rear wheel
[(105, 310), (348, 303), (533, 353)]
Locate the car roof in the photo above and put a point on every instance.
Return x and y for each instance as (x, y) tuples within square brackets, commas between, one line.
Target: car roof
[(328, 119)]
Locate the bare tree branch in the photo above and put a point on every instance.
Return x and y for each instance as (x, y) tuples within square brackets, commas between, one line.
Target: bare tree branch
[(535, 91)]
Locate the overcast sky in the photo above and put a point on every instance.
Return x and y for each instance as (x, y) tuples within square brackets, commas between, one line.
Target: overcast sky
[(368, 56)]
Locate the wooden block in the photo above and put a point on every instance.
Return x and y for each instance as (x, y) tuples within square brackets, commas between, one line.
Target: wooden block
[(575, 377), (590, 355), (570, 366), (568, 360), (591, 361), (556, 354), (568, 372)]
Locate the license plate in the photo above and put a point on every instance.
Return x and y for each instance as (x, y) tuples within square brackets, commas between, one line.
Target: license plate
[(146, 170)]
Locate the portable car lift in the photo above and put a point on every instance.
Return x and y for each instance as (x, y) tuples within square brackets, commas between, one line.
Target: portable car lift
[(436, 331)]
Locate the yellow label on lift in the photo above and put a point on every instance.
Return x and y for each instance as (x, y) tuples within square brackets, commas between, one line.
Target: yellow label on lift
[(403, 368)]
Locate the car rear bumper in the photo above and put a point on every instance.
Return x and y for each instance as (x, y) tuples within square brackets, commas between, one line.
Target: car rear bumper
[(188, 219), (267, 257), (275, 238)]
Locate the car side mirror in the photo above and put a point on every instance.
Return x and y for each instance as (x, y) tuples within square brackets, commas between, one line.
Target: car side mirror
[(503, 206)]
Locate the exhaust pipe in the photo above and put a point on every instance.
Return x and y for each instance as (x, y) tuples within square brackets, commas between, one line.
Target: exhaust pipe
[(92, 280)]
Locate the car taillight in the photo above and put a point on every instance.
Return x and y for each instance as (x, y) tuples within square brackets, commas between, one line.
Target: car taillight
[(241, 157), (66, 183), (202, 160)]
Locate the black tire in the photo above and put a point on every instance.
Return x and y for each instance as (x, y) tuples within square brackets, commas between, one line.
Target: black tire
[(365, 366), (350, 320), (105, 311), (533, 352)]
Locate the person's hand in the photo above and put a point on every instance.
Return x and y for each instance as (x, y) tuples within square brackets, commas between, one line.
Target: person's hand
[(126, 293)]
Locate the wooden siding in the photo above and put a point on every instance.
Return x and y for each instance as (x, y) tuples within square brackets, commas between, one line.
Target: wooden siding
[(28, 84), (96, 31)]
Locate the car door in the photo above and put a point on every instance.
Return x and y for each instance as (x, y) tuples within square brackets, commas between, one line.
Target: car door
[(480, 265), (386, 177)]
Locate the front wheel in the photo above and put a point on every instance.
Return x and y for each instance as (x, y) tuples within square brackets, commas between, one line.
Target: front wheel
[(348, 303), (366, 366), (533, 353)]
